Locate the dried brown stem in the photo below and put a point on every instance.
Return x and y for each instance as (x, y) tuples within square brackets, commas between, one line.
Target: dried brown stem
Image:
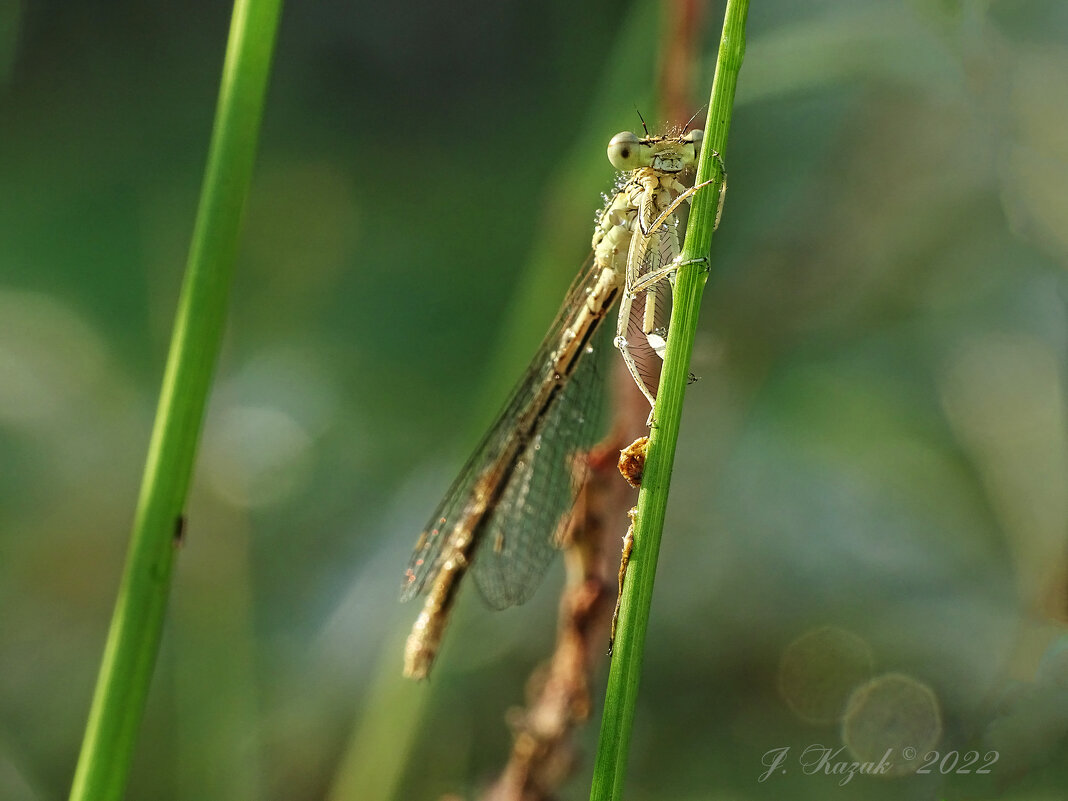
[(683, 23), (543, 753)]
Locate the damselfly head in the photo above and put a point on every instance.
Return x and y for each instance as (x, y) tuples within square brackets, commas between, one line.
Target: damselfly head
[(662, 153)]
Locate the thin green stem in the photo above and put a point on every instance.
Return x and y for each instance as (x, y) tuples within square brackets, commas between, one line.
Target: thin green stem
[(137, 622), (625, 674)]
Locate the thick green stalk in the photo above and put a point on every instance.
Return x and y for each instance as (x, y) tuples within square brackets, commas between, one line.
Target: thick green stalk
[(625, 674), (137, 622)]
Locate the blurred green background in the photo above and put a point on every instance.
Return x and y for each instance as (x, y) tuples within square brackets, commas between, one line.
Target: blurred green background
[(871, 490)]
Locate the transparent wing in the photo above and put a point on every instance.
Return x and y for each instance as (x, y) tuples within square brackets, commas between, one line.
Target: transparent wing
[(650, 310), (538, 499), (502, 476)]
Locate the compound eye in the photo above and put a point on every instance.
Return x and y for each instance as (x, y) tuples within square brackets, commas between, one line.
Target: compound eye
[(695, 136), (623, 151)]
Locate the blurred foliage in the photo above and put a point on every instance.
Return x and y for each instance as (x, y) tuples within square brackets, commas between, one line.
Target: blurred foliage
[(877, 444)]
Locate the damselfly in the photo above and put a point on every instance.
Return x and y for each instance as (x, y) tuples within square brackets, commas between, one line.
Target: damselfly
[(501, 515)]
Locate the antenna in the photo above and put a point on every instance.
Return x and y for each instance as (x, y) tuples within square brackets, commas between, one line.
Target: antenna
[(686, 127), (640, 117)]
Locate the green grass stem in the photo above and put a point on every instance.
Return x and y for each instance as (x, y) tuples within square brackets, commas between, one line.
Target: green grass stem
[(137, 622), (625, 673)]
